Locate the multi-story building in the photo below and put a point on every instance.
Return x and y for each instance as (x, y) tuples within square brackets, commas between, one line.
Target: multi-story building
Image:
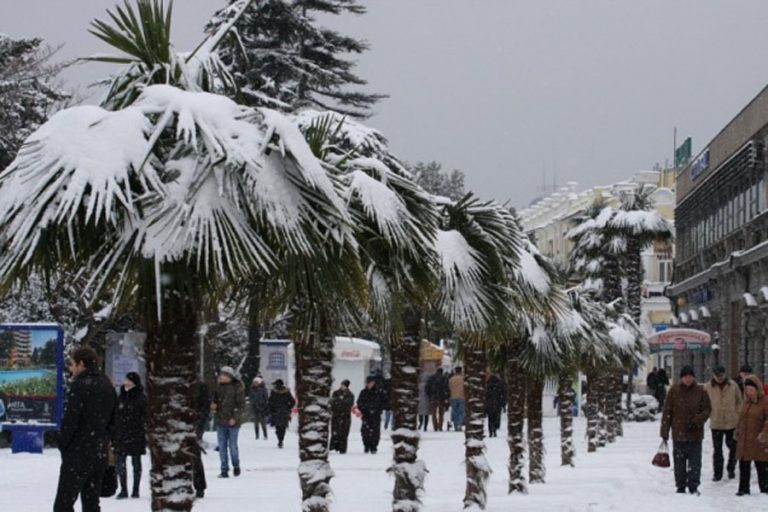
[(549, 219), (23, 342), (720, 280)]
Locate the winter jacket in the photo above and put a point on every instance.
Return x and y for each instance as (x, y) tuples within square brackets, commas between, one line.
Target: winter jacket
[(259, 397), (88, 420), (281, 404), (456, 386), (752, 429), (686, 409), (726, 404), (369, 403), (383, 386), (342, 401), (230, 401), (495, 394), (129, 436), (437, 387)]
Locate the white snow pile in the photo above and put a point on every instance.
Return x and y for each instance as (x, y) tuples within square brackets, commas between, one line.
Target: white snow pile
[(644, 408)]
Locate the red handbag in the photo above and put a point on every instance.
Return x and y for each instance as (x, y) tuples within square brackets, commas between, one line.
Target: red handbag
[(661, 459)]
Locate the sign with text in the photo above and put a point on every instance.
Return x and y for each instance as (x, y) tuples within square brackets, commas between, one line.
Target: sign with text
[(31, 375), (700, 164), (679, 339)]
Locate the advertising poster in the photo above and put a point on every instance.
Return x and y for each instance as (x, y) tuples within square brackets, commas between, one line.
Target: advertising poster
[(30, 375)]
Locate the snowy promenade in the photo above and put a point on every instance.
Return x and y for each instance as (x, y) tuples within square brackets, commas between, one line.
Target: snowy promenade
[(619, 477)]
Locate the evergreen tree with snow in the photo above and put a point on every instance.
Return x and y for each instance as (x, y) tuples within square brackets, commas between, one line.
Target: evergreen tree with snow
[(431, 176), (28, 91), (282, 58)]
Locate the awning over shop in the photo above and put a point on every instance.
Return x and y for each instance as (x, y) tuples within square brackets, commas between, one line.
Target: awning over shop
[(680, 339)]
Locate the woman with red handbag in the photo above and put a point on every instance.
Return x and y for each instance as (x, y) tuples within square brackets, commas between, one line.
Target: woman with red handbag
[(752, 436)]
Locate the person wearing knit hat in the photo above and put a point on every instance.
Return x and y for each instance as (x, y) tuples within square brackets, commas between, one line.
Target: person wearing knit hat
[(129, 435), (259, 396), (228, 402), (725, 397), (685, 412), (342, 402), (752, 434)]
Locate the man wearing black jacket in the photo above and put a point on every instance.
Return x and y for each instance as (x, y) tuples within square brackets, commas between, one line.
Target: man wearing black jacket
[(84, 436)]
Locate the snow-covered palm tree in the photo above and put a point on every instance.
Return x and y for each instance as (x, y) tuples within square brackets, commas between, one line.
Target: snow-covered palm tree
[(479, 247), (396, 222), (168, 194)]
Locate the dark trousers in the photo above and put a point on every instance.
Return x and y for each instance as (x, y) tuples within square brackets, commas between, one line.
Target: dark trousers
[(494, 422), (687, 460), (717, 441), (280, 431), (437, 408), (340, 424), (371, 432), (423, 422), (745, 467), (260, 419), (78, 480), (198, 471)]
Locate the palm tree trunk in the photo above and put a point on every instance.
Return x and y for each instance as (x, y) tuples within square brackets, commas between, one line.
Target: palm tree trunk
[(565, 393), (477, 466), (253, 356), (607, 432), (314, 364), (618, 412), (537, 469), (515, 419), (408, 470), (635, 274), (170, 350), (593, 411)]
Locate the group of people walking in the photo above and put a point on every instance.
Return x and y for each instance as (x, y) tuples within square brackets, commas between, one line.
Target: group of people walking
[(738, 415)]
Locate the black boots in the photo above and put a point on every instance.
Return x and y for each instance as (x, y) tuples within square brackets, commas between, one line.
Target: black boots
[(136, 481), (123, 486)]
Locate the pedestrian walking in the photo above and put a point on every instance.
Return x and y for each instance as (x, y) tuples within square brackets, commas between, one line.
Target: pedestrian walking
[(228, 402), (86, 427), (752, 436), (744, 371), (129, 438), (370, 406), (259, 398), (386, 401), (686, 409), (495, 399), (651, 381), (281, 404), (438, 393), (203, 410), (423, 403), (456, 389), (662, 381), (725, 399), (342, 401)]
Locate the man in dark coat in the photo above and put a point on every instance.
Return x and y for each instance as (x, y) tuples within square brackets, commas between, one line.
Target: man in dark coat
[(129, 438), (650, 381), (203, 408), (685, 411), (342, 401), (84, 435), (495, 399), (259, 398), (281, 404), (228, 402), (370, 405), (438, 393)]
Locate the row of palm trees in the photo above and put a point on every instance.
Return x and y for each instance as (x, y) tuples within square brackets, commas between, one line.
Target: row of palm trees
[(170, 194)]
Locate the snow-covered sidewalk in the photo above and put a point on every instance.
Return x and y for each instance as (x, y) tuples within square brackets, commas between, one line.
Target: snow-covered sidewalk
[(618, 477)]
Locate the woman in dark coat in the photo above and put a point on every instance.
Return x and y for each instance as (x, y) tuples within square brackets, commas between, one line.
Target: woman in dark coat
[(281, 404), (369, 403), (129, 436), (259, 397), (495, 399)]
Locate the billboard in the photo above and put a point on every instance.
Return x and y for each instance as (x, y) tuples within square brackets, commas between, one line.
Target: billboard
[(31, 376), (679, 339)]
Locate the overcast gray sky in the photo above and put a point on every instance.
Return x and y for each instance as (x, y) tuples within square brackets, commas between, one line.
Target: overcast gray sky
[(505, 89)]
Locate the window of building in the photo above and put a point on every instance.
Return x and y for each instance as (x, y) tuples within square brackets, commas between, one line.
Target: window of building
[(665, 271), (276, 360)]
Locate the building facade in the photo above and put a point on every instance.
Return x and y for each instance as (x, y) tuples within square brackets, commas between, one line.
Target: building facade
[(548, 221), (720, 282)]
